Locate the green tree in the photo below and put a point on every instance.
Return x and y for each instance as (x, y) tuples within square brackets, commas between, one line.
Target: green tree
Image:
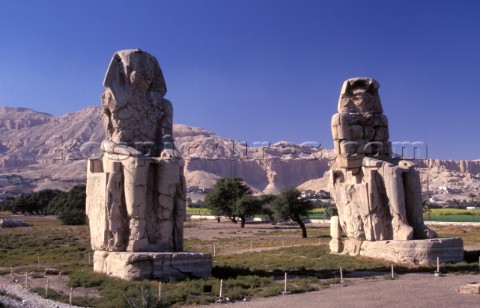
[(247, 206), (71, 206), (19, 204), (291, 206), (222, 199), (266, 202)]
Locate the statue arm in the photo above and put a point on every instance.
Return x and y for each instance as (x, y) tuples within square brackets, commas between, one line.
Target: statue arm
[(114, 148)]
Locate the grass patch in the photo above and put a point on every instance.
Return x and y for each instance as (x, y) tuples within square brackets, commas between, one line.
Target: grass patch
[(198, 211)]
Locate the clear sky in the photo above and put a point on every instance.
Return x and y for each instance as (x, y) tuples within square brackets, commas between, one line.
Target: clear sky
[(259, 70)]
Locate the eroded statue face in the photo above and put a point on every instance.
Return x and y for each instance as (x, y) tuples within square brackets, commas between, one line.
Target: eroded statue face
[(363, 101)]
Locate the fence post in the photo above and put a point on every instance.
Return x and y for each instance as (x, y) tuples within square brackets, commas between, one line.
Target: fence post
[(26, 279), (437, 273), (46, 289), (285, 285), (71, 296), (159, 291)]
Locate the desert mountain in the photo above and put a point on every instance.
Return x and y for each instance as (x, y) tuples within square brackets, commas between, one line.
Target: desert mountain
[(52, 151)]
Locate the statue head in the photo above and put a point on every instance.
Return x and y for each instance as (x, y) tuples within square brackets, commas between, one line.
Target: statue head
[(134, 71), (360, 95), (135, 112)]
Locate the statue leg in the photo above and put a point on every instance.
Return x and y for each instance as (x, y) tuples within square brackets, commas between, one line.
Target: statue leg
[(136, 175), (171, 208), (393, 178), (115, 218), (414, 205)]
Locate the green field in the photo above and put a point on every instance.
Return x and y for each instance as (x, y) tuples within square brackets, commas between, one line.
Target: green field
[(453, 215), (448, 215)]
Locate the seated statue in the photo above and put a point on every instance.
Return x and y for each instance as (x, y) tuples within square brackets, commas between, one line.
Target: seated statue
[(378, 196), (141, 206)]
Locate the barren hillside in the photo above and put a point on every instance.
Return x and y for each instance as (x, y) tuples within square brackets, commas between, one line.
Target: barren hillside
[(52, 152)]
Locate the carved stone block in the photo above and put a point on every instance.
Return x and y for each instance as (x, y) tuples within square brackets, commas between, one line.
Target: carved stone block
[(136, 193), (377, 195)]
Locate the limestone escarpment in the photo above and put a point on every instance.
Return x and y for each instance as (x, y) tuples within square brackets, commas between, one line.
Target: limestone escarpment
[(51, 152)]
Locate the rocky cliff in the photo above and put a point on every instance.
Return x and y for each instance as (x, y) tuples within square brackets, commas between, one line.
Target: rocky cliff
[(52, 151)]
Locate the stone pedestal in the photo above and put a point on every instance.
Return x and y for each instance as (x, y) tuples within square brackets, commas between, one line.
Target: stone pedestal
[(471, 288), (423, 252), (151, 265)]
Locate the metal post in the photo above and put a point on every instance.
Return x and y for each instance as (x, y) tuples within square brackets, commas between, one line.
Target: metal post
[(221, 288), (285, 287), (26, 279), (159, 291), (393, 274), (214, 250), (341, 276), (70, 301), (46, 289)]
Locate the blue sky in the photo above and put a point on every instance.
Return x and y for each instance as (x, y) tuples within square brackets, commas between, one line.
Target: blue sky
[(259, 70)]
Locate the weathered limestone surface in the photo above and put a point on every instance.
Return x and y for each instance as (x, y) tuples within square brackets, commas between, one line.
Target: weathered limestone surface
[(471, 288), (378, 195), (136, 191), (159, 266), (423, 252)]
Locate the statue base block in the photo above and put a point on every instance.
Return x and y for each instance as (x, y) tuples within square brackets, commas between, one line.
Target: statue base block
[(153, 265), (423, 252)]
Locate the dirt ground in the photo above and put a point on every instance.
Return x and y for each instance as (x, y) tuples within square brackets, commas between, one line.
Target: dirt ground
[(410, 290), (210, 229)]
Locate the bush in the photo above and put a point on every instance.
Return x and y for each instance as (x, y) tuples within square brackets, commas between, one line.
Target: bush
[(71, 206), (72, 217)]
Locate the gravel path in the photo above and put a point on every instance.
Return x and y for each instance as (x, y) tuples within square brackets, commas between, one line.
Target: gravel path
[(410, 290), (28, 299)]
